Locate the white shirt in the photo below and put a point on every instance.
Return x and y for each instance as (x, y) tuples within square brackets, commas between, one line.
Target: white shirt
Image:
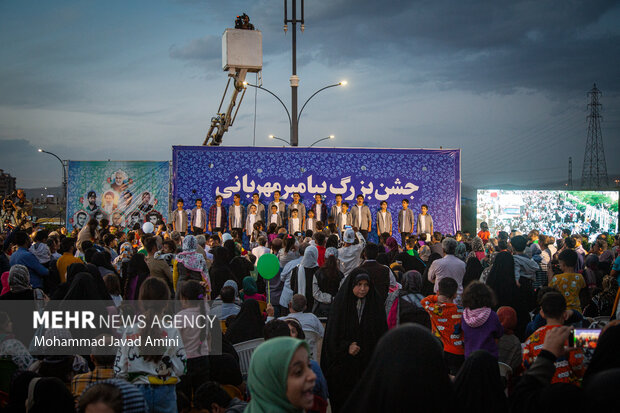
[(277, 204), (295, 226), (198, 218), (252, 220), (180, 221), (404, 220), (359, 216), (318, 211), (310, 224), (338, 209), (423, 224), (237, 216), (218, 216), (274, 219), (449, 266), (260, 250)]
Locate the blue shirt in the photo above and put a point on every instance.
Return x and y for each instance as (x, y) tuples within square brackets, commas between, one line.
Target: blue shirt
[(24, 257)]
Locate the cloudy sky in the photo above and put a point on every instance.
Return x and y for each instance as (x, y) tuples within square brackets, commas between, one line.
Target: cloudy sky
[(505, 81)]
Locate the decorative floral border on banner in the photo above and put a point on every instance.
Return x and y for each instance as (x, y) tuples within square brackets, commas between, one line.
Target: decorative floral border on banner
[(422, 176), (124, 192)]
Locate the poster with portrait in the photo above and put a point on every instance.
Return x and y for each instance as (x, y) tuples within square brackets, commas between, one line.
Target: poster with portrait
[(126, 193)]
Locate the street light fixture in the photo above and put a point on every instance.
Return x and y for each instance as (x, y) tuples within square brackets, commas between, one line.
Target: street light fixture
[(64, 171), (275, 137), (294, 122), (320, 140)]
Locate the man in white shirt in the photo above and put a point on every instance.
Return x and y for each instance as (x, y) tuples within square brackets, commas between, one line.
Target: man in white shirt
[(448, 266), (199, 218), (236, 215), (384, 220), (362, 218), (217, 216), (336, 208)]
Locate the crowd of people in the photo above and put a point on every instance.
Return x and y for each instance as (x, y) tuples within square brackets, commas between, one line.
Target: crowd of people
[(548, 211), (478, 321)]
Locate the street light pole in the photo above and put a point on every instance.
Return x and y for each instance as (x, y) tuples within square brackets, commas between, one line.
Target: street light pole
[(294, 78), (321, 140), (64, 172), (275, 96)]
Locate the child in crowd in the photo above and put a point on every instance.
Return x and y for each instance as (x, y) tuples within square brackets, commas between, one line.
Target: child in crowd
[(446, 322), (481, 326), (113, 285), (569, 283), (154, 369), (195, 339), (484, 233), (509, 346), (568, 368), (272, 232)]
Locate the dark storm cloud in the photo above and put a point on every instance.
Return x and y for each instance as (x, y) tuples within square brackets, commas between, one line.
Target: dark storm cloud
[(480, 45), (205, 49)]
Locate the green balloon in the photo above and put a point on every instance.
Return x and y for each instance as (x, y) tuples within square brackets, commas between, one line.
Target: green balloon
[(268, 266)]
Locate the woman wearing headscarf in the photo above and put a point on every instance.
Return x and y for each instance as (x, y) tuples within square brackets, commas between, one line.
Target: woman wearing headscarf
[(429, 288), (250, 290), (248, 324), (137, 272), (415, 380), (478, 385), (510, 351), (473, 270), (477, 249), (62, 289), (220, 272), (425, 254), (103, 265), (502, 282), (391, 249), (191, 265), (280, 379), (355, 324), (461, 251), (19, 285), (303, 275), (406, 307), (326, 283)]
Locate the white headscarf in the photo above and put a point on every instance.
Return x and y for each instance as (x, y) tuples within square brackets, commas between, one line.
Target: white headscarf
[(309, 260)]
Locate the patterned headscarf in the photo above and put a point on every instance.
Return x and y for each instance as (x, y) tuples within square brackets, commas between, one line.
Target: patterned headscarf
[(128, 249), (425, 252), (190, 243), (19, 278), (331, 251)]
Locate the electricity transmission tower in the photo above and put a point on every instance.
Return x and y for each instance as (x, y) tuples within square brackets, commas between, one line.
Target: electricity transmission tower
[(594, 173)]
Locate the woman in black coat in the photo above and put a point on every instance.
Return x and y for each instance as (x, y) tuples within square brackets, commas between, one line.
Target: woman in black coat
[(355, 324)]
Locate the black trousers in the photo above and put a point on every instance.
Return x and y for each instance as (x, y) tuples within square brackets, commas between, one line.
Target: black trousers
[(364, 233)]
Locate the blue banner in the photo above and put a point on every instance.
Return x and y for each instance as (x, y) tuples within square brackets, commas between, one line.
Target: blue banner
[(421, 176), (124, 192)]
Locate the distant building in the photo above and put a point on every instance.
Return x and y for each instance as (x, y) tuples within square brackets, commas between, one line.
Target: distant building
[(7, 183)]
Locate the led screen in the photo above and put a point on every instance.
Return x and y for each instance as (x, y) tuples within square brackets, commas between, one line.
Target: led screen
[(583, 212)]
